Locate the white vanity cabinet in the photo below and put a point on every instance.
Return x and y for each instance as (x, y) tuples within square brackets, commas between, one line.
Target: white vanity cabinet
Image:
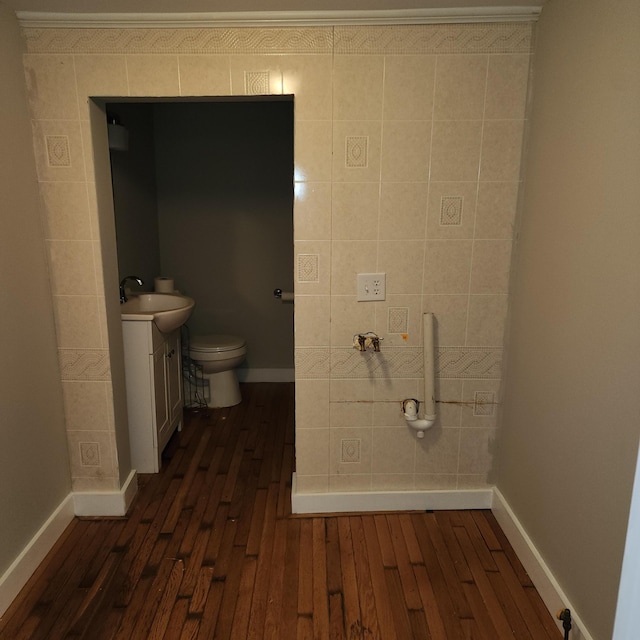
[(153, 373)]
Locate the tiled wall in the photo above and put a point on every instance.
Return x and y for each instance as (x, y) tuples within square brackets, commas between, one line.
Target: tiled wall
[(407, 153)]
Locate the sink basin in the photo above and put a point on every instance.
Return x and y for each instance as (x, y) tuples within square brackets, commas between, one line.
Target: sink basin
[(167, 310)]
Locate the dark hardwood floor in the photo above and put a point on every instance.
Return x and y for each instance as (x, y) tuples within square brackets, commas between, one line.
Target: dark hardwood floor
[(210, 550)]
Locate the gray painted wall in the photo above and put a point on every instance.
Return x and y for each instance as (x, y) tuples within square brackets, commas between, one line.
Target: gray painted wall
[(225, 202), (134, 195), (34, 463), (570, 428)]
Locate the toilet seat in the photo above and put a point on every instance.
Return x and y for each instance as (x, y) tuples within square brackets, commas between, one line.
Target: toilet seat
[(215, 343)]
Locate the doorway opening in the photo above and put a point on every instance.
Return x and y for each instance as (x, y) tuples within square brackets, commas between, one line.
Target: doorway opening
[(203, 194)]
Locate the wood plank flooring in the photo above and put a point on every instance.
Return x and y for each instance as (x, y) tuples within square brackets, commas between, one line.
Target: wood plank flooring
[(210, 550)]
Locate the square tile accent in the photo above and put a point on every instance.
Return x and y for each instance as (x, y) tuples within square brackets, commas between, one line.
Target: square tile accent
[(356, 155), (58, 154), (350, 450), (256, 82), (451, 210), (398, 320), (308, 267), (90, 454), (484, 403)]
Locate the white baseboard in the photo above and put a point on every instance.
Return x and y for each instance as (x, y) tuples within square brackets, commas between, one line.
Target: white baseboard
[(388, 500), (108, 503), (22, 568), (114, 503), (550, 591), (266, 375), (548, 588)]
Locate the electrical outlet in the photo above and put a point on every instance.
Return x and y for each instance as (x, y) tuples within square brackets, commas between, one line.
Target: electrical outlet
[(371, 286)]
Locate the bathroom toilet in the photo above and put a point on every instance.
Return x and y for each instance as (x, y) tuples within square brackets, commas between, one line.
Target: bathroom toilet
[(219, 355)]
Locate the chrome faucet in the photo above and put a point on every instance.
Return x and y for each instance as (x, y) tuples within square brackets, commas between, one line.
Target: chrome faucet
[(123, 295)]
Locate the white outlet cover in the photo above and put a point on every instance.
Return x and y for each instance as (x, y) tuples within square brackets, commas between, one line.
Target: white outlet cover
[(371, 286)]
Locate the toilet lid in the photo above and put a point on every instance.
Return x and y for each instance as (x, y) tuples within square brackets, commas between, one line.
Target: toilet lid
[(216, 342)]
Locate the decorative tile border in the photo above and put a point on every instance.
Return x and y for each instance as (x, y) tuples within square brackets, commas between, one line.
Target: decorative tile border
[(483, 363), (190, 40), (84, 364), (349, 363), (445, 38), (312, 362), (480, 363), (389, 39)]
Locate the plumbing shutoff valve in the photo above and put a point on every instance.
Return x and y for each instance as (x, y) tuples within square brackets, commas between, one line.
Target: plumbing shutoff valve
[(364, 341)]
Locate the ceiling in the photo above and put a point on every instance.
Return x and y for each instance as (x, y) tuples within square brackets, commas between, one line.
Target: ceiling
[(236, 6)]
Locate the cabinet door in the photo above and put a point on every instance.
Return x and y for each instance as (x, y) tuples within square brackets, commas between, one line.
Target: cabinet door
[(160, 391), (174, 376)]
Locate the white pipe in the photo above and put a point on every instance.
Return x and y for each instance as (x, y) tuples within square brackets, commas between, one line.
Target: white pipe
[(410, 406), (429, 369)]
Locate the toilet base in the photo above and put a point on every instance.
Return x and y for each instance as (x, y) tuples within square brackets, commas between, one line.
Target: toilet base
[(224, 390)]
